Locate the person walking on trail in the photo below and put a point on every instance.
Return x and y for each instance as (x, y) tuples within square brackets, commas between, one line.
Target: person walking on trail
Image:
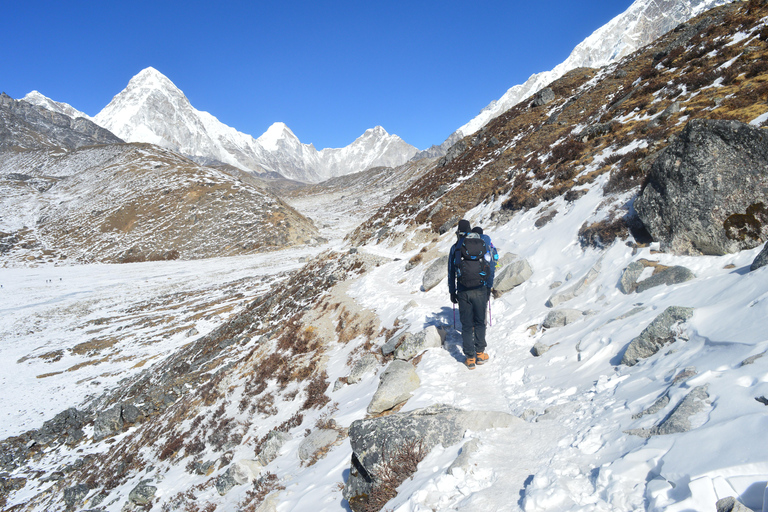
[(470, 279)]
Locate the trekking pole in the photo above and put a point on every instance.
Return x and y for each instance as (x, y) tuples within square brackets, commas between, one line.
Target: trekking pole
[(454, 317), (490, 318)]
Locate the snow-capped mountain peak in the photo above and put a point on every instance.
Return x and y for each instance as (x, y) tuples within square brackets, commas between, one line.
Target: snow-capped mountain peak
[(276, 133), (152, 109), (36, 98)]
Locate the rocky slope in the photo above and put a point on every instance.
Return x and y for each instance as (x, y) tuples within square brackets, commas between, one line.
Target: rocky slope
[(24, 126), (643, 22), (152, 109), (711, 67), (73, 191)]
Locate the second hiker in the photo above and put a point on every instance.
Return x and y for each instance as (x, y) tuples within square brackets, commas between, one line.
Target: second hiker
[(470, 278)]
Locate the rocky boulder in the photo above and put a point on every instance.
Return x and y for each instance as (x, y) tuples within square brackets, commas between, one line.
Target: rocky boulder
[(395, 386), (512, 275), (415, 344), (544, 96), (668, 276), (628, 280), (271, 447), (656, 335), (561, 318), (376, 442), (316, 441), (706, 191), (435, 273), (761, 260), (143, 493), (679, 420)]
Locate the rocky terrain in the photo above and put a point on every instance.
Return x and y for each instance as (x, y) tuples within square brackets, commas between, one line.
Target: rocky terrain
[(73, 191), (626, 331)]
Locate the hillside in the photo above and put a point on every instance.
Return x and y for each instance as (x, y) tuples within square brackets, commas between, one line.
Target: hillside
[(134, 202), (622, 377), (608, 122)]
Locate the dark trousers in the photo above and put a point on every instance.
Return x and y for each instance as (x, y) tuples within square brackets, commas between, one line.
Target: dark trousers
[(472, 305)]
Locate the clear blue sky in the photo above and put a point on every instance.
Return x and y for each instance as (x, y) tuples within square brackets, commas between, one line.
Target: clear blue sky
[(329, 70)]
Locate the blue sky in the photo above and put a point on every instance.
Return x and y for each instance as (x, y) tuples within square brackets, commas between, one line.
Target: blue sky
[(329, 70)]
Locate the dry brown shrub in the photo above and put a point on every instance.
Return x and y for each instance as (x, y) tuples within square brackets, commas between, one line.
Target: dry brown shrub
[(261, 488), (567, 151), (172, 447), (316, 396), (396, 467), (603, 233)]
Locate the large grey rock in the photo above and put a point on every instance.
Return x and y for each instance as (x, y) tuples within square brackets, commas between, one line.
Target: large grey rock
[(577, 288), (761, 260), (561, 317), (512, 275), (375, 440), (108, 423), (706, 191), (411, 346), (75, 495), (395, 386), (316, 441), (544, 96), (394, 342), (668, 276), (365, 364), (271, 447), (680, 418), (435, 273), (628, 280), (143, 493), (656, 335)]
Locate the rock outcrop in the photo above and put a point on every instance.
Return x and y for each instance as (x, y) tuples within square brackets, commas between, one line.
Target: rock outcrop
[(656, 335), (512, 275), (706, 191), (561, 317), (375, 441), (395, 387), (761, 260), (668, 276), (435, 273), (679, 420), (414, 344)]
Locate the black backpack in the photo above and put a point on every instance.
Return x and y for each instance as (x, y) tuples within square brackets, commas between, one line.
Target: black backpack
[(472, 267)]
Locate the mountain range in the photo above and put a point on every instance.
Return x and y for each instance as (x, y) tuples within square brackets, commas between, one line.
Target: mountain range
[(152, 109)]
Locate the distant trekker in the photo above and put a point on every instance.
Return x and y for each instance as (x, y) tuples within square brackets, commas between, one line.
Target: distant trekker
[(491, 247), (470, 278)]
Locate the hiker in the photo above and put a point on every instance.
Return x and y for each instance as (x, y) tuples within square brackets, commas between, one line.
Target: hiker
[(491, 247), (470, 278)]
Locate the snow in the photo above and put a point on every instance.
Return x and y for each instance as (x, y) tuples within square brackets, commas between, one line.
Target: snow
[(572, 453)]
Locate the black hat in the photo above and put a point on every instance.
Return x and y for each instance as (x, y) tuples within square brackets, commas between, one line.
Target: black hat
[(478, 230), (464, 226)]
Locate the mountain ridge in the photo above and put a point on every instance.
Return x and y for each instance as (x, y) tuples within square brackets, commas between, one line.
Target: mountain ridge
[(143, 111)]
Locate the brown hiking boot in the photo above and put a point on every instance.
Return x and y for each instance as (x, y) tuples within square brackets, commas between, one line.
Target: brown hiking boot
[(470, 363), (482, 358)]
